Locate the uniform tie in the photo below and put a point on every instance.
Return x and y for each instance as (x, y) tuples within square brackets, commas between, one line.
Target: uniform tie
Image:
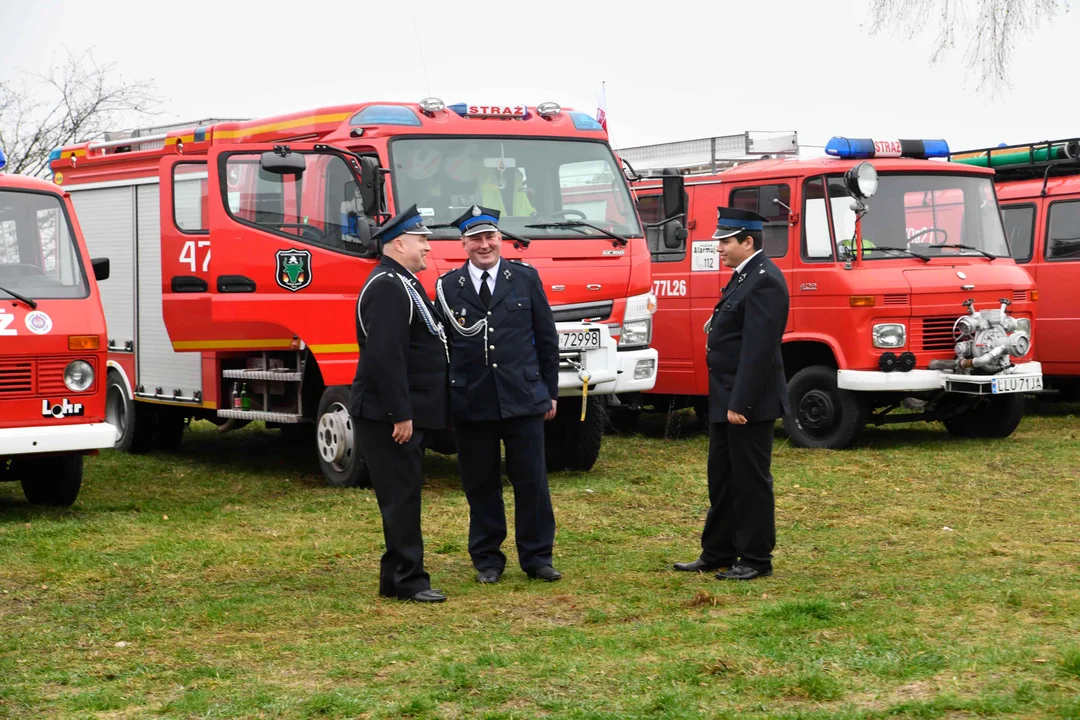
[(485, 291)]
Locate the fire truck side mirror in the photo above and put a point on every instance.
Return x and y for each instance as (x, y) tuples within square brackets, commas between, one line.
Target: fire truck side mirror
[(101, 268), (674, 235), (371, 183), (674, 194), (289, 163)]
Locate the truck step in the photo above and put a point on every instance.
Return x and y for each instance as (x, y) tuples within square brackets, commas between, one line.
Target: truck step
[(276, 417), (271, 375)]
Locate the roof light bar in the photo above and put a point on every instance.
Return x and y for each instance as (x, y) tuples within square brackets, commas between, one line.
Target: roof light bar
[(860, 148)]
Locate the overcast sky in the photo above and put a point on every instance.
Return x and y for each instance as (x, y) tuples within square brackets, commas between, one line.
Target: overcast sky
[(674, 70)]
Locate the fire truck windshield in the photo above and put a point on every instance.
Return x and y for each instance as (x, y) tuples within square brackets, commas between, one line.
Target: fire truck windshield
[(944, 215), (529, 181), (38, 255)]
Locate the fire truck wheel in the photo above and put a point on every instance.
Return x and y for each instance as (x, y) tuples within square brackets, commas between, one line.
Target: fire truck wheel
[(53, 481), (134, 424), (570, 443), (821, 414), (337, 441), (995, 417)]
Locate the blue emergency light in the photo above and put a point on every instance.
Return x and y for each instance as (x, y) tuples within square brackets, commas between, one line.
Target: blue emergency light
[(386, 115), (858, 148), (3, 159)]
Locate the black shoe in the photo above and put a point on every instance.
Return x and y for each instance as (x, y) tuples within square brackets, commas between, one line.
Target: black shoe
[(699, 565), (426, 596), (488, 576), (743, 572), (546, 573)]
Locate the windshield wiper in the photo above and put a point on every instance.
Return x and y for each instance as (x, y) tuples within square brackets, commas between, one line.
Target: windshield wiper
[(579, 224), (516, 238), (922, 257), (17, 296), (992, 256)]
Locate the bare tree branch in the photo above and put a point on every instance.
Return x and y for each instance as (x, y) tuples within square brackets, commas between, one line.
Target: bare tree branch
[(74, 101), (989, 28)]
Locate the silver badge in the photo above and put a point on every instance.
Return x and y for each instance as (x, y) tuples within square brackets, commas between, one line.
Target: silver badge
[(742, 277), (461, 281), (477, 212), (506, 273)]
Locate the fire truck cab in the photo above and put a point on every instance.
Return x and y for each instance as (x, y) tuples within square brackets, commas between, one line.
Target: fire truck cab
[(241, 247), (52, 354), (902, 290), (1038, 187)]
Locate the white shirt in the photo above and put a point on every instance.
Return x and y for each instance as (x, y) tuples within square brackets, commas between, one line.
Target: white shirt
[(743, 263), (475, 273)]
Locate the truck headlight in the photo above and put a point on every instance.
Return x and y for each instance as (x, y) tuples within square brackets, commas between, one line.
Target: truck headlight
[(1024, 325), (639, 307), (636, 333), (78, 375), (889, 335)]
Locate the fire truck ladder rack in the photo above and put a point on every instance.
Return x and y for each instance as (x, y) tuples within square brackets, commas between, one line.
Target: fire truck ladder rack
[(266, 377), (708, 155), (150, 138), (1027, 161)]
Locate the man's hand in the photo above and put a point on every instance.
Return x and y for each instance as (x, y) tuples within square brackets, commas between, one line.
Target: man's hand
[(403, 432), (735, 418), (550, 414)]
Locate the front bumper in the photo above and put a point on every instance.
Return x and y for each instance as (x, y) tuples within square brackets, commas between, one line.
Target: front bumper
[(1018, 378), (610, 371), (56, 439)]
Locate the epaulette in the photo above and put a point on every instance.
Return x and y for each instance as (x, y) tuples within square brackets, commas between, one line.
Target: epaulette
[(449, 272), (521, 262)]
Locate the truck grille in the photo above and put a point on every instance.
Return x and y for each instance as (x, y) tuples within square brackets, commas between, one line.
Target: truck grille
[(581, 311), (937, 332), (898, 299), (38, 376), (1019, 295), (16, 377)]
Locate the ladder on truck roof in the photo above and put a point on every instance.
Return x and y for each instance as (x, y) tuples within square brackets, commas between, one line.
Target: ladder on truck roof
[(150, 138), (1027, 161), (711, 154)]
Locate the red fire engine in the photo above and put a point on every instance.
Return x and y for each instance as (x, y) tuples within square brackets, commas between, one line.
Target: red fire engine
[(52, 353), (1038, 186), (903, 294), (240, 247)]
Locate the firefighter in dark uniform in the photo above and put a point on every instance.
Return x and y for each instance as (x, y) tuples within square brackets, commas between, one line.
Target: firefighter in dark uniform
[(504, 383), (400, 393), (747, 393)]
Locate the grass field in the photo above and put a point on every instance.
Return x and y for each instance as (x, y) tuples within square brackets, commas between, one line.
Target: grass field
[(917, 576)]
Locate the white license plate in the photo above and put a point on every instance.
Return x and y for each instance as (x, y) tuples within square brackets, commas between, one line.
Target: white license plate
[(1020, 384), (579, 339)]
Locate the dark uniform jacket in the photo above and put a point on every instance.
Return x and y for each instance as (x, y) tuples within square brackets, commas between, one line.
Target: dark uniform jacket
[(521, 374), (402, 370), (746, 372)]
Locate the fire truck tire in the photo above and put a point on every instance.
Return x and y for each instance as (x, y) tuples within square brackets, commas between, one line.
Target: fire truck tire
[(569, 442), (994, 417), (822, 415), (337, 441), (169, 432), (52, 481), (134, 422)]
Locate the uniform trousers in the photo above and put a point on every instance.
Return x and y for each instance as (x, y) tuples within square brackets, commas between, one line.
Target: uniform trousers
[(479, 462), (397, 476), (741, 523)]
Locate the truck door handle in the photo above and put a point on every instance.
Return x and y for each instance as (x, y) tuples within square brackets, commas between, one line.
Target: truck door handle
[(235, 284), (188, 284)]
